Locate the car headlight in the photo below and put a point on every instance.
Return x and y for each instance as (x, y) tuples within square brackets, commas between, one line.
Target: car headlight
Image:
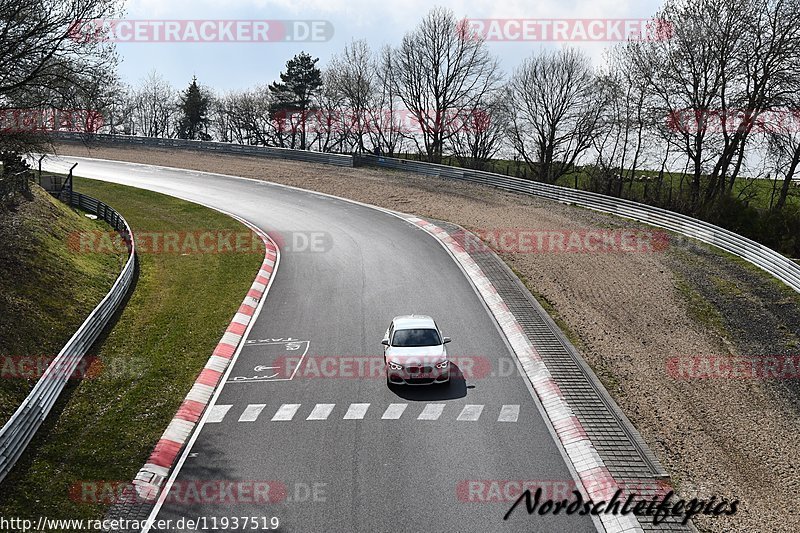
[(443, 364), (395, 366)]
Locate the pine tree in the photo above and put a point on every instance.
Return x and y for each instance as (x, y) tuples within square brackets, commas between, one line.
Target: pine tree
[(194, 108), (294, 94)]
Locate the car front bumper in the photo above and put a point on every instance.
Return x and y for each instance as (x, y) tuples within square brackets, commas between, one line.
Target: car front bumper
[(426, 375)]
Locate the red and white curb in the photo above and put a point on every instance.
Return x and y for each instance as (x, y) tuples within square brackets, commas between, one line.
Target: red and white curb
[(151, 477), (597, 481)]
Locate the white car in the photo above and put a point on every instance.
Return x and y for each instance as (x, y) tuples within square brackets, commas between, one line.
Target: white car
[(414, 351)]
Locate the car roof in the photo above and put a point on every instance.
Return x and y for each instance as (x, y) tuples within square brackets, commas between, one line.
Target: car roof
[(413, 321)]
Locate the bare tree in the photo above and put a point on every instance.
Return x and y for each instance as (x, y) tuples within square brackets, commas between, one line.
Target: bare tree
[(118, 116), (248, 117), (687, 73), (481, 136), (442, 70), (44, 65), (784, 146), (353, 75), (385, 126), (220, 117), (155, 107), (727, 62), (768, 57), (554, 110), (333, 127), (627, 126)]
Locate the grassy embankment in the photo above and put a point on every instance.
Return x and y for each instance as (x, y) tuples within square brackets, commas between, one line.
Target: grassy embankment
[(46, 289)]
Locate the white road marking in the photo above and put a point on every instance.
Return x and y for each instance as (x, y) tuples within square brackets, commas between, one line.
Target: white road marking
[(273, 376), (286, 412), (251, 412), (470, 413), (217, 412), (321, 411), (509, 413), (432, 411), (356, 411), (394, 411)]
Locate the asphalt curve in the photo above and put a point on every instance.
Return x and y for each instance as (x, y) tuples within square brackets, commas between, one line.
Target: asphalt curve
[(339, 449)]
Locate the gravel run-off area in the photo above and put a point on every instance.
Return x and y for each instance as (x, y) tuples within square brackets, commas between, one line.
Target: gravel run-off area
[(629, 314)]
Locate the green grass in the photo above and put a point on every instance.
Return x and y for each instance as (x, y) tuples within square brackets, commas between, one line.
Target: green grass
[(47, 288), (727, 287), (788, 293), (104, 428), (700, 310)]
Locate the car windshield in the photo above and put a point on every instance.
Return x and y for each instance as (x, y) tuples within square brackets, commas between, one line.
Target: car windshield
[(408, 338)]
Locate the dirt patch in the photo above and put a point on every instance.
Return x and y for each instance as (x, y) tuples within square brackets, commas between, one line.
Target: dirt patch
[(632, 314)]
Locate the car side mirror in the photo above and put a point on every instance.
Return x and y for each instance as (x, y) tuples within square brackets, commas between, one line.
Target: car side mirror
[(385, 342), (446, 340)]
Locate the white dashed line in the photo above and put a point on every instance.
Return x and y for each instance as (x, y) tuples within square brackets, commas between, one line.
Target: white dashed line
[(356, 411), (217, 413), (509, 413), (470, 413), (432, 411), (321, 411), (394, 411), (286, 412), (251, 413)]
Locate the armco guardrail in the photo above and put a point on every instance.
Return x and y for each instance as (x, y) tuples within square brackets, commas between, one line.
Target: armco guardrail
[(761, 256), (20, 428), (340, 160)]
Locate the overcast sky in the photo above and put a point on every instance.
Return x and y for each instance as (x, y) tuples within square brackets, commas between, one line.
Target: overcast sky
[(224, 66)]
